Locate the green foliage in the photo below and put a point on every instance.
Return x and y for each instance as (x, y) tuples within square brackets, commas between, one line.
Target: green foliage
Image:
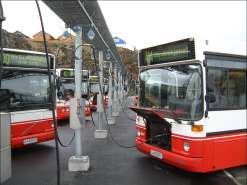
[(129, 59)]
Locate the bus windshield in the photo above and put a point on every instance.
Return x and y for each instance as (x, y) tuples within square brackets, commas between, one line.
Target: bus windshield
[(94, 87), (68, 86), (177, 89), (27, 88)]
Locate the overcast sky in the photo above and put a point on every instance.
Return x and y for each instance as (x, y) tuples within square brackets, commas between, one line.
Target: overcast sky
[(143, 23)]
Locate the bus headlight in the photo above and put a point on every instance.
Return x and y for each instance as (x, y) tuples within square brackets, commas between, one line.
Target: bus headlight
[(186, 146), (138, 132)]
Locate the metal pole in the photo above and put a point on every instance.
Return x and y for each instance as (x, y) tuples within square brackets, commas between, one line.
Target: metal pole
[(122, 88), (78, 80), (110, 87), (111, 121), (5, 147), (119, 92), (77, 106), (115, 95), (100, 133), (99, 98), (124, 92)]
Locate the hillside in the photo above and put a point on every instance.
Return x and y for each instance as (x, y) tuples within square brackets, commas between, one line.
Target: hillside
[(64, 51), (129, 59)]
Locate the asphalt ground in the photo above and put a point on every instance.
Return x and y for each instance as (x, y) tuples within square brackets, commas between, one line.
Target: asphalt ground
[(109, 163)]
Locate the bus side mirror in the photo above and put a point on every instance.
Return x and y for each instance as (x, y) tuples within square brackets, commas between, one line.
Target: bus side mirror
[(58, 83), (59, 94), (4, 99)]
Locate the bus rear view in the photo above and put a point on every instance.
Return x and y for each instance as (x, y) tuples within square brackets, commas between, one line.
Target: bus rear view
[(192, 108)]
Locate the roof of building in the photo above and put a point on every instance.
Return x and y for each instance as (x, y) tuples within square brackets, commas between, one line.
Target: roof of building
[(21, 34), (40, 34)]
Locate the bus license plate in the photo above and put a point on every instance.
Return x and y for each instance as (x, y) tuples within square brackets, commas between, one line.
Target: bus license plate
[(156, 154), (30, 141)]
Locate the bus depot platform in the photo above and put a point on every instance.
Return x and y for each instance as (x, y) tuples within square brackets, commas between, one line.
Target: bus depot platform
[(110, 164)]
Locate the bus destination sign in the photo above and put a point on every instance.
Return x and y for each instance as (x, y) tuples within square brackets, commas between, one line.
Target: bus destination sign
[(67, 73), (170, 52), (94, 79), (12, 59)]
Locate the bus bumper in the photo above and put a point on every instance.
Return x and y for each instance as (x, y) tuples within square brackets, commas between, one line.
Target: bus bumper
[(87, 111), (19, 142), (63, 112), (93, 107), (186, 163)]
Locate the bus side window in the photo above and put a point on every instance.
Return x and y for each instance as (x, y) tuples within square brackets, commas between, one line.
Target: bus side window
[(237, 89), (217, 80), (228, 87)]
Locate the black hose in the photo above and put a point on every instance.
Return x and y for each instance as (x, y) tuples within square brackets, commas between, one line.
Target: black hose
[(73, 137), (114, 140), (92, 120), (70, 142), (108, 127), (51, 95), (125, 112)]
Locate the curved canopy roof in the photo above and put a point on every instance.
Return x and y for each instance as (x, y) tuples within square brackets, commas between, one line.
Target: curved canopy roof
[(88, 15)]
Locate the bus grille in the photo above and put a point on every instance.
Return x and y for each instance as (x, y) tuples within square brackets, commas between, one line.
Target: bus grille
[(159, 134)]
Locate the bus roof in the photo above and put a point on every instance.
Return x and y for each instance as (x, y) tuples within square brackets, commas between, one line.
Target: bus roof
[(26, 51), (60, 69), (190, 49), (226, 47), (216, 45)]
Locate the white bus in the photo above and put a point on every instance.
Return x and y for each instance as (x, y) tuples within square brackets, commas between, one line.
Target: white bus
[(192, 105)]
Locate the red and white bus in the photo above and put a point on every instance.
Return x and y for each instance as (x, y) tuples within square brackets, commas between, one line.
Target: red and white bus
[(66, 88), (25, 76), (192, 105)]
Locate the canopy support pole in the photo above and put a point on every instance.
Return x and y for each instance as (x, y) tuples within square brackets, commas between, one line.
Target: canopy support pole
[(111, 120), (100, 133), (77, 107)]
